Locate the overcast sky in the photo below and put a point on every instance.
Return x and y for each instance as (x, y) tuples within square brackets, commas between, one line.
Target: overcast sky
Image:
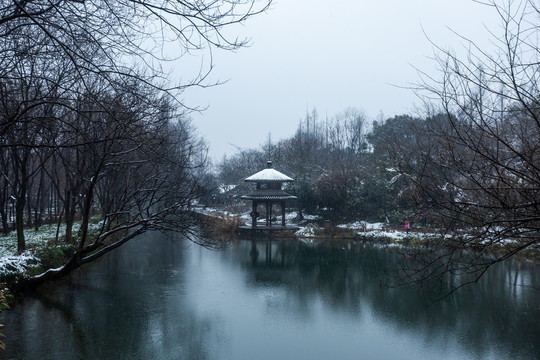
[(328, 55)]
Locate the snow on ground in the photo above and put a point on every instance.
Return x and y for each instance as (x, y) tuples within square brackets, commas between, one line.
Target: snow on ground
[(309, 230), (398, 235), (291, 215), (8, 243), (11, 263), (311, 217), (370, 230), (363, 225), (16, 264), (221, 213)]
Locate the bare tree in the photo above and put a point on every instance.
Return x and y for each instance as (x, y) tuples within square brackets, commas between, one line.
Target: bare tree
[(137, 168), (23, 105), (93, 93), (339, 185), (121, 39), (481, 167)]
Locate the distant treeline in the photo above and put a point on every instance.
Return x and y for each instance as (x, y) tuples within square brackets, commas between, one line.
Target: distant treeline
[(444, 169), (343, 167)]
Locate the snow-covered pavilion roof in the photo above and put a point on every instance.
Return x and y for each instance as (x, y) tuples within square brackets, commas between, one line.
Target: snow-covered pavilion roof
[(269, 175)]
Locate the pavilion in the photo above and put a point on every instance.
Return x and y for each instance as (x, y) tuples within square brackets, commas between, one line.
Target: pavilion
[(268, 192)]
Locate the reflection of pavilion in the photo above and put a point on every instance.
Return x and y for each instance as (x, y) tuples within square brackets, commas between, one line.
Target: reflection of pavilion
[(268, 193), (277, 254)]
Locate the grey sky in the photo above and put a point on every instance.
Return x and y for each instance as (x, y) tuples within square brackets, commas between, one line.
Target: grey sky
[(329, 55)]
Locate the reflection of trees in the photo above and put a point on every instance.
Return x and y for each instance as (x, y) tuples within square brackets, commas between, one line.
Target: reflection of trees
[(136, 307), (353, 277), (132, 304)]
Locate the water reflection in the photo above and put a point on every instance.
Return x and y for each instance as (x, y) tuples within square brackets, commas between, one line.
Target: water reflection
[(130, 305), (163, 299), (501, 312)]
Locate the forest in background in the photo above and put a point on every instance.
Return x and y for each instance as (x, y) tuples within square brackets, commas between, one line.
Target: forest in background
[(341, 167)]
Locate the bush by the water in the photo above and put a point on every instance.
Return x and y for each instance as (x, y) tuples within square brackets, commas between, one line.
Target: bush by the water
[(223, 226)]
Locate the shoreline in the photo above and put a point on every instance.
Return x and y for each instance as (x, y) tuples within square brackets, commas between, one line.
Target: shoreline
[(225, 226)]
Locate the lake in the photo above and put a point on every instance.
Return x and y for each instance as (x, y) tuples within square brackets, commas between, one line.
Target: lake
[(165, 298)]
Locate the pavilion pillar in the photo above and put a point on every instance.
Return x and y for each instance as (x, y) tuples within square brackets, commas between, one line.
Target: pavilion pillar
[(254, 214), (268, 213), (283, 213)]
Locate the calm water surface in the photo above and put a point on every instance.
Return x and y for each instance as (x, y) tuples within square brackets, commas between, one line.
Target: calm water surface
[(157, 298)]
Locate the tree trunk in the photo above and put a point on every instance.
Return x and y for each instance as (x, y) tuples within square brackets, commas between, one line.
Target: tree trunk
[(4, 204), (87, 206), (19, 220), (70, 216), (38, 208), (5, 224), (28, 204)]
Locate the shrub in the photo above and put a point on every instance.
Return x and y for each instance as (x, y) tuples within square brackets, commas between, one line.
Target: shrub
[(54, 256)]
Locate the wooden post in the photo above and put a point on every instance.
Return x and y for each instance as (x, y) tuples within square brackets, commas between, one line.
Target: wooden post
[(268, 213), (283, 213), (254, 217)]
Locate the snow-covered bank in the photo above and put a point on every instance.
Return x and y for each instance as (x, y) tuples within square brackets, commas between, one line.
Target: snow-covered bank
[(309, 228), (366, 230), (17, 264), (382, 230), (12, 264)]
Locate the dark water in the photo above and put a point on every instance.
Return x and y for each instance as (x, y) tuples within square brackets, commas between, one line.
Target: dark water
[(160, 299)]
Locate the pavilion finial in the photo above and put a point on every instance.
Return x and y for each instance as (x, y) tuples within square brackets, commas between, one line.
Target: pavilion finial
[(269, 164)]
